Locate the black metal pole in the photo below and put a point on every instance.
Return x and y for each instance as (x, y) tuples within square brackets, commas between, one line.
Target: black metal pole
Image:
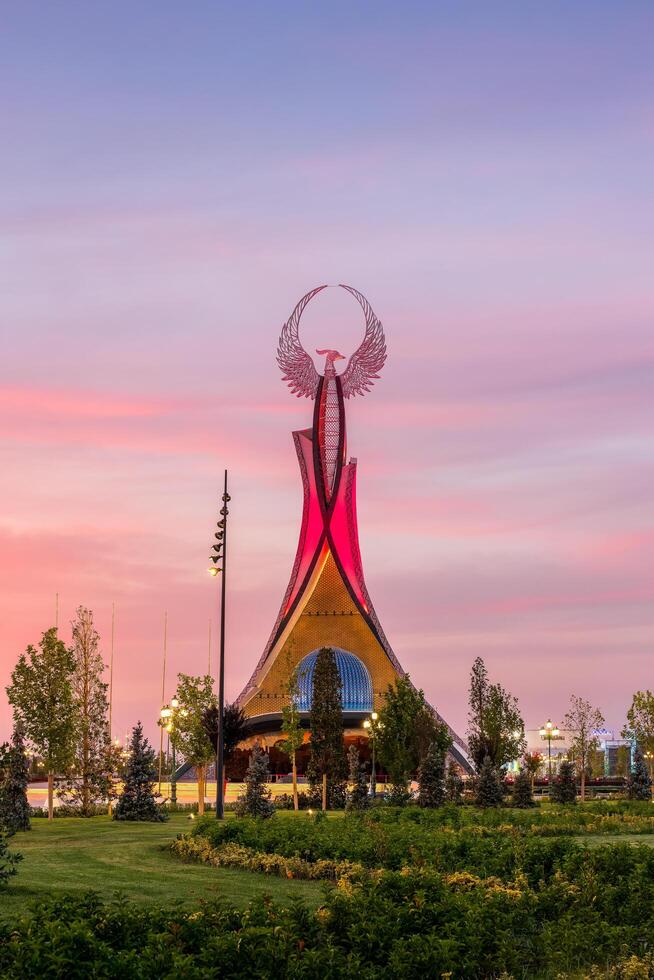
[(373, 774), (173, 777), (220, 780)]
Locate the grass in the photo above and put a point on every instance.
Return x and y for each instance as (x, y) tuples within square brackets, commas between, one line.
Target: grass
[(72, 855)]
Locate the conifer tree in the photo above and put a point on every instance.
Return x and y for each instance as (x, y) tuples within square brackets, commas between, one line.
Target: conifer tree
[(89, 782), (327, 755), (489, 785), (358, 795), (256, 802), (453, 784), (639, 784), (41, 695), (564, 784), (522, 796), (137, 802), (431, 778), (14, 808)]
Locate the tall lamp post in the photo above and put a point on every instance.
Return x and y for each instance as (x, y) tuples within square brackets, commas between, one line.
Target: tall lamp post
[(549, 731), (372, 726), (220, 554), (167, 715)]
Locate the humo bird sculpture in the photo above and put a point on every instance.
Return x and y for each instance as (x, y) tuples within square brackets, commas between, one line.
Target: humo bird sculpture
[(362, 369)]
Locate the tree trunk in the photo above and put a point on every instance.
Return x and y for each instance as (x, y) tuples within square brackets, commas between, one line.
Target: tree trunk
[(50, 795), (583, 783), (296, 802), (200, 790), (324, 791)]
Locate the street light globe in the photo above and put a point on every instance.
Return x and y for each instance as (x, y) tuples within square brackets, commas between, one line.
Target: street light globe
[(374, 716), (174, 703), (366, 723), (542, 733), (213, 571), (548, 725), (555, 732), (165, 712)]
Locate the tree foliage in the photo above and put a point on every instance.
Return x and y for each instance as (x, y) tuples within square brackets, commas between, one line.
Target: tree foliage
[(137, 802), (489, 789), (639, 784), (496, 730), (256, 802), (327, 753), (14, 779), (640, 721), (88, 781), (453, 784), (187, 729), (532, 763), (431, 777), (522, 795), (582, 721), (564, 784), (233, 730), (41, 694), (358, 794), (407, 729)]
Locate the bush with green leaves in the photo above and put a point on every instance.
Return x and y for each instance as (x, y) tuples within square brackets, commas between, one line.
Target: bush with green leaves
[(489, 790), (255, 802), (564, 784), (431, 777), (522, 796), (14, 778), (358, 794), (639, 784), (137, 802)]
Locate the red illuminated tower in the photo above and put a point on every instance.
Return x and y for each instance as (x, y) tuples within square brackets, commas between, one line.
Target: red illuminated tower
[(326, 602)]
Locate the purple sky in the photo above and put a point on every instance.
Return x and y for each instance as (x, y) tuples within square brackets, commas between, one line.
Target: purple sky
[(175, 177)]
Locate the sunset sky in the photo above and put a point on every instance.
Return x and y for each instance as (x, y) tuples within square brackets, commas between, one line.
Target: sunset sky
[(175, 176)]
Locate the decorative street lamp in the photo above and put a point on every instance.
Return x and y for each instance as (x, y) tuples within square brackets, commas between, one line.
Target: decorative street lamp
[(549, 731), (168, 715), (214, 570), (372, 726)]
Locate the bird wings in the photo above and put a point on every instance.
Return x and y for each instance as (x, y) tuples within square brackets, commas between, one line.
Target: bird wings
[(367, 361), (363, 368), (297, 366)]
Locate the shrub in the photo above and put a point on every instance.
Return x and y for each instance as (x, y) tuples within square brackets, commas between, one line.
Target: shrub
[(489, 790), (14, 808), (639, 784), (358, 797), (431, 777), (8, 860), (137, 802), (255, 802), (522, 797), (564, 784), (453, 784)]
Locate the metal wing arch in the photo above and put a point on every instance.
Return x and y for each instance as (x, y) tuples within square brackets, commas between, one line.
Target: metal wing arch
[(367, 361), (298, 369)]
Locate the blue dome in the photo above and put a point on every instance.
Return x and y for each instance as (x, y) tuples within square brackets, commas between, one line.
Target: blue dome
[(357, 686)]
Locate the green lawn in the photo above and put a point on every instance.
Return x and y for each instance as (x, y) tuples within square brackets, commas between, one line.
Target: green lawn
[(73, 855)]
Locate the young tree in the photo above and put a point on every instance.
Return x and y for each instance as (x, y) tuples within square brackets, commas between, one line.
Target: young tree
[(490, 791), (358, 796), (453, 784), (640, 721), (496, 730), (137, 802), (41, 695), (14, 808), (431, 777), (532, 763), (582, 721), (327, 755), (564, 784), (188, 732), (255, 802), (522, 795), (292, 728), (89, 781), (639, 784), (233, 731), (407, 729)]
